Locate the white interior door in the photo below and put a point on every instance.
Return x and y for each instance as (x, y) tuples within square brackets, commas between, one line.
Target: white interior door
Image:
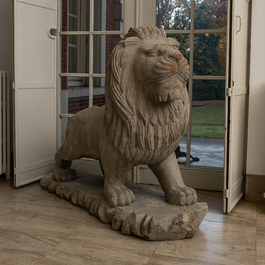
[(237, 98), (34, 88)]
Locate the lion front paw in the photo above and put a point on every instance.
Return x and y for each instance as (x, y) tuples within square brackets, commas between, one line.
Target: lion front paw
[(61, 174), (182, 196), (118, 195)]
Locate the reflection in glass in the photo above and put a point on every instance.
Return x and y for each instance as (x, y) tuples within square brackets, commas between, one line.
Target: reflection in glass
[(209, 54), (73, 23), (78, 98), (108, 15), (207, 144), (102, 48), (173, 15), (210, 14), (74, 94), (73, 7), (75, 15), (74, 53), (208, 100)]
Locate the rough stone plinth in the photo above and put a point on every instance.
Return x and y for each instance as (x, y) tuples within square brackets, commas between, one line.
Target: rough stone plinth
[(149, 216)]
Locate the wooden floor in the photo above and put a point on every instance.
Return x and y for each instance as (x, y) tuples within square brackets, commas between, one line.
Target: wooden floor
[(36, 227)]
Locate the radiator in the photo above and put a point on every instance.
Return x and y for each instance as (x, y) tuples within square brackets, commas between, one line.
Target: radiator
[(5, 124)]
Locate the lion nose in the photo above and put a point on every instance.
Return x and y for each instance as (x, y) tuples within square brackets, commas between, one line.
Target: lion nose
[(178, 56)]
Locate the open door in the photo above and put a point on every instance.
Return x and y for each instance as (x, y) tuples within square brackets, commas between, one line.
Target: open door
[(34, 88), (237, 102)]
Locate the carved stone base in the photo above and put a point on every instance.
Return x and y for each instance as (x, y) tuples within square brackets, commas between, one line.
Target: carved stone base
[(149, 216)]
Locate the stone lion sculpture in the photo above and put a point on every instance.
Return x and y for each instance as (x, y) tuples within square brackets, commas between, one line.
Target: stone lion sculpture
[(143, 121)]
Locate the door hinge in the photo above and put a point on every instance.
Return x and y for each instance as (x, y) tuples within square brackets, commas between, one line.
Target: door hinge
[(13, 85), (227, 193), (229, 91)]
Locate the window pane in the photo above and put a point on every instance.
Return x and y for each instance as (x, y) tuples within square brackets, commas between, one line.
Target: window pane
[(207, 145), (73, 59), (184, 42), (108, 15), (98, 91), (209, 54), (75, 53), (73, 39), (210, 14), (208, 100), (78, 99), (103, 46), (73, 6), (173, 14), (73, 99), (73, 23), (75, 15), (74, 94)]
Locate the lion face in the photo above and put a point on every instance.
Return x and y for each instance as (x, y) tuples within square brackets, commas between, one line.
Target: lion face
[(161, 69)]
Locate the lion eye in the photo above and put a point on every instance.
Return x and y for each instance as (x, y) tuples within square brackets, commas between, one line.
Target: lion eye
[(151, 54)]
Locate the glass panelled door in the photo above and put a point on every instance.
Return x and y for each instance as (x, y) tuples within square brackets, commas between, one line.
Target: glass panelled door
[(89, 32), (200, 26)]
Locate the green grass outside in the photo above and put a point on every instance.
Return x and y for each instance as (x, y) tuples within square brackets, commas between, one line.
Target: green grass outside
[(213, 111)]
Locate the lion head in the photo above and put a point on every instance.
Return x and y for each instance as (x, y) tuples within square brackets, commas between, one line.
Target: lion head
[(147, 104)]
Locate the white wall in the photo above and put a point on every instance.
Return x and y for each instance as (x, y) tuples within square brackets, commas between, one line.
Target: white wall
[(256, 127), (6, 35)]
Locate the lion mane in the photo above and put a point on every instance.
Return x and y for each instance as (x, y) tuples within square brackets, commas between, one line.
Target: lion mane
[(138, 127)]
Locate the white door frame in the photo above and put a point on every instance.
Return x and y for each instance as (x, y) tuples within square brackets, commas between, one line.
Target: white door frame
[(237, 98)]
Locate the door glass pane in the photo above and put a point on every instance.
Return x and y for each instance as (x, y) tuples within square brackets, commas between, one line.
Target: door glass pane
[(184, 42), (103, 46), (73, 6), (208, 100), (210, 14), (74, 94), (73, 23), (173, 15), (75, 15), (98, 91), (207, 145), (78, 99), (209, 54), (108, 15), (75, 53), (73, 40)]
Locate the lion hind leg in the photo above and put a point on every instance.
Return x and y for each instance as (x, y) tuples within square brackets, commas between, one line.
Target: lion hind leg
[(169, 176)]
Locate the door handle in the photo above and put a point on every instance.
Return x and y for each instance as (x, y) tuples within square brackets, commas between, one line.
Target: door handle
[(238, 23), (52, 33)]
